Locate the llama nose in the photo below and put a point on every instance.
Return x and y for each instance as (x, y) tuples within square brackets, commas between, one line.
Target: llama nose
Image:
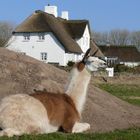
[(105, 62), (104, 65)]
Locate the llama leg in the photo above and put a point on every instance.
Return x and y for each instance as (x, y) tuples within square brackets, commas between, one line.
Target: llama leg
[(10, 132), (80, 127)]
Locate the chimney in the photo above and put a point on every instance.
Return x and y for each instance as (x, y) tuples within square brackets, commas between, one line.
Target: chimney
[(65, 15), (51, 10)]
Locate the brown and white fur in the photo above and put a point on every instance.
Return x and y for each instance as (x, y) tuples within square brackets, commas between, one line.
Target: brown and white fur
[(44, 112)]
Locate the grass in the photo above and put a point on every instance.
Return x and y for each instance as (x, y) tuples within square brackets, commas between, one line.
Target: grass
[(129, 134), (129, 93)]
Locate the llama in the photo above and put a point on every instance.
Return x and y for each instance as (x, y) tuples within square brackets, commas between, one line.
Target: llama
[(44, 112)]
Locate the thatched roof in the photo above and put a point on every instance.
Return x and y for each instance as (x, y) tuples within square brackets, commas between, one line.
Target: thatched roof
[(95, 49), (124, 53), (65, 30)]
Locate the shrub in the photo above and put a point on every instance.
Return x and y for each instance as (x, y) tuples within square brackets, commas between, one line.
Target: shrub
[(70, 63), (137, 69), (121, 68)]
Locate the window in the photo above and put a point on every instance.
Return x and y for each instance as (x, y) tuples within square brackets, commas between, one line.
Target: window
[(44, 56), (111, 61), (23, 53), (41, 36), (26, 36)]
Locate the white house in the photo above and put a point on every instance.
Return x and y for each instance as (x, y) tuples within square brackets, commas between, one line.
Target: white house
[(52, 39), (127, 55)]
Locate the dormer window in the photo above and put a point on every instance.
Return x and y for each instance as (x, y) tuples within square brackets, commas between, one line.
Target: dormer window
[(26, 36), (41, 36)]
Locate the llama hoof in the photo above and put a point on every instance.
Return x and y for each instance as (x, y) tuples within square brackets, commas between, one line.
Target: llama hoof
[(80, 127)]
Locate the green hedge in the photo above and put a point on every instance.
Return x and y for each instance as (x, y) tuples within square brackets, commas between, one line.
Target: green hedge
[(123, 68)]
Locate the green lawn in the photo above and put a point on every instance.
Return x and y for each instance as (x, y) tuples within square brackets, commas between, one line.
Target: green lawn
[(130, 134), (129, 93)]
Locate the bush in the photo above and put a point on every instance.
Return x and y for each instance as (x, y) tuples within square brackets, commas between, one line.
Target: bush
[(137, 69), (70, 63), (123, 68)]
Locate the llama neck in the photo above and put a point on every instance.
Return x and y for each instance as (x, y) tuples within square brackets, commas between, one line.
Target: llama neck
[(77, 87)]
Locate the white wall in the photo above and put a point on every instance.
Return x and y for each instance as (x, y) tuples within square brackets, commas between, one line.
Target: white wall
[(34, 47), (72, 57), (110, 72), (130, 64), (84, 41)]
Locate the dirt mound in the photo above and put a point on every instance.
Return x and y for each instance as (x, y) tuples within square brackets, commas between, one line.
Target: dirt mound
[(22, 74), (106, 112)]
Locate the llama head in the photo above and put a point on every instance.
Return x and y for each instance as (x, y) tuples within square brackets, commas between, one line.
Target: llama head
[(91, 63)]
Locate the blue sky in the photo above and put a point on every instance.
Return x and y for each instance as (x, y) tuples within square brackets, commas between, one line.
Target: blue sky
[(103, 15)]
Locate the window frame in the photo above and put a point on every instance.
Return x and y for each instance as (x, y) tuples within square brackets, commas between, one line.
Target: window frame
[(44, 56), (26, 37), (41, 36)]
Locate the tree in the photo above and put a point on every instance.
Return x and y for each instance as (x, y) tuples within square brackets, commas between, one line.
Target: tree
[(5, 32), (113, 37), (100, 38), (119, 37), (135, 39)]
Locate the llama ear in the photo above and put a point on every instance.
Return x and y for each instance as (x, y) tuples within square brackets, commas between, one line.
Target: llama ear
[(86, 55), (80, 66)]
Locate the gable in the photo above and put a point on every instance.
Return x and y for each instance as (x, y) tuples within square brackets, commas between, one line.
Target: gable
[(76, 28)]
